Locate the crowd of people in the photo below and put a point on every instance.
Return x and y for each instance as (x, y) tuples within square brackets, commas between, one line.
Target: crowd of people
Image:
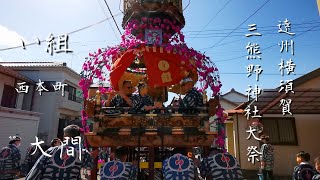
[(142, 102), (217, 164)]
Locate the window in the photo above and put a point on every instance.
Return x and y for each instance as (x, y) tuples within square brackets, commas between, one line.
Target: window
[(72, 92), (9, 97), (282, 130)]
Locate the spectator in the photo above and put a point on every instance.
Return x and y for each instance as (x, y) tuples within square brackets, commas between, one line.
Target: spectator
[(304, 171), (266, 158)]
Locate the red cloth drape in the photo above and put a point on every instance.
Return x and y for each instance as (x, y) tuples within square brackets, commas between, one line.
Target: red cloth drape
[(119, 67), (163, 69)]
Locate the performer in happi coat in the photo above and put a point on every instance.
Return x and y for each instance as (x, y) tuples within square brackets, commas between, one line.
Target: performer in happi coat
[(10, 159), (142, 102), (179, 166), (192, 99), (55, 142), (317, 166), (119, 169), (123, 98), (33, 154), (220, 166), (63, 162), (304, 170)]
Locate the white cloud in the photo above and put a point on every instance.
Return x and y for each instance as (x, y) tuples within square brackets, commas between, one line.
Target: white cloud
[(10, 38)]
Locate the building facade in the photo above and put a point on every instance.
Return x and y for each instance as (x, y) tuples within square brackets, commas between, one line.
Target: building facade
[(17, 116), (59, 106), (288, 133)]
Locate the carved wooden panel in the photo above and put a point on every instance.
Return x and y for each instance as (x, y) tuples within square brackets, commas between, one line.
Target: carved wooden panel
[(149, 121), (150, 140)]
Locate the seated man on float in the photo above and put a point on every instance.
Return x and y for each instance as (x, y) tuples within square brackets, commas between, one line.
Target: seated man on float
[(192, 99), (142, 102), (122, 98), (179, 166), (220, 166), (119, 168)]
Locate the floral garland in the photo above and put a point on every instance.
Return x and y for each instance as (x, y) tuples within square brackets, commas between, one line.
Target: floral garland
[(98, 65)]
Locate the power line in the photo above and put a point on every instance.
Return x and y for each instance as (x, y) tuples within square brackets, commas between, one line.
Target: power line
[(211, 19), (258, 27), (307, 22), (186, 6), (226, 51), (113, 17), (243, 31), (120, 6), (238, 35), (239, 25), (224, 43), (230, 59), (72, 32), (108, 20)]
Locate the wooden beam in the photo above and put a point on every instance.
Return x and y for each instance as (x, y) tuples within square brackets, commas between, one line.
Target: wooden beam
[(182, 140)]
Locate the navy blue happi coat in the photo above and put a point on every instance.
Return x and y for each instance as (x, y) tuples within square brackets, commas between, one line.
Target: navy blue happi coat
[(220, 167), (117, 170), (139, 102), (304, 171), (191, 101), (61, 165), (178, 167), (9, 161)]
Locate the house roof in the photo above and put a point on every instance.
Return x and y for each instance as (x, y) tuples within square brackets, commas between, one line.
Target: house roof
[(8, 71), (304, 100), (27, 65), (311, 75), (234, 91), (234, 111)]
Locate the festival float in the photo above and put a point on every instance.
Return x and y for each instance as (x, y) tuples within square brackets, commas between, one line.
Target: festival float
[(152, 49)]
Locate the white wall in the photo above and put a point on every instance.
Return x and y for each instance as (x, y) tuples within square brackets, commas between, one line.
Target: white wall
[(235, 97), (46, 104), (241, 125), (226, 105), (307, 127), (23, 123)]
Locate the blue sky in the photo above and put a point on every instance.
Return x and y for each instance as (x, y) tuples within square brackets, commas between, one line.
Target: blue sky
[(39, 18)]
